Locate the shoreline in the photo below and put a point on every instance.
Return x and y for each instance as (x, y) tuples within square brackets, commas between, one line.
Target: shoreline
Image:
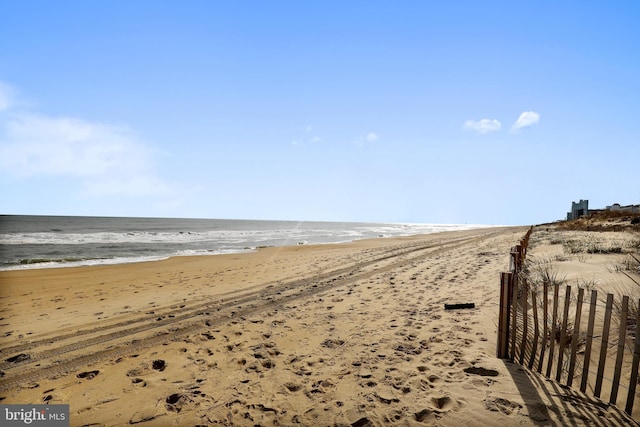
[(374, 242), (80, 262)]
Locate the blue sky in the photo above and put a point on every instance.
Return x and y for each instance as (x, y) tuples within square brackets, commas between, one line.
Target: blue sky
[(429, 112)]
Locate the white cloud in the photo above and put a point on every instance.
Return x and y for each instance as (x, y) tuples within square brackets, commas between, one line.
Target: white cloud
[(483, 126), (366, 139), (308, 138), (527, 118), (6, 96), (105, 159)]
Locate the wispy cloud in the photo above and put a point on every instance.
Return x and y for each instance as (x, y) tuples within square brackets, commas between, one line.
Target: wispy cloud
[(366, 139), (6, 96), (310, 137), (103, 159), (98, 158), (483, 126), (527, 118)]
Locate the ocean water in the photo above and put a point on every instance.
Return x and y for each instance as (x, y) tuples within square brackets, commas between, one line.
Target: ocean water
[(64, 241)]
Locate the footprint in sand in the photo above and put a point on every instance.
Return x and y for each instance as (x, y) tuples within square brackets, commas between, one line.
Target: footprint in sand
[(501, 405), (159, 365), (174, 402), (292, 387), (138, 382), (89, 375), (439, 405), (443, 404), (423, 415)]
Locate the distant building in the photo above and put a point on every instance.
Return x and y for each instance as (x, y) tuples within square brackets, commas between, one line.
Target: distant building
[(578, 209), (581, 209), (627, 208)]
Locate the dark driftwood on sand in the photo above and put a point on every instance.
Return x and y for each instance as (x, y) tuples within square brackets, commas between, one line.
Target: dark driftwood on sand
[(459, 306)]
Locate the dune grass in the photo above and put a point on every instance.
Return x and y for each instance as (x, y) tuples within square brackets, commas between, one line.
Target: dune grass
[(604, 221)]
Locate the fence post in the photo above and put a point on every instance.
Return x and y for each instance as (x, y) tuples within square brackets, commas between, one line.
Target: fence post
[(525, 320), (514, 314), (503, 320), (603, 347), (574, 340), (563, 332), (545, 326), (634, 367), (554, 328), (621, 339), (536, 330), (587, 350), (512, 259)]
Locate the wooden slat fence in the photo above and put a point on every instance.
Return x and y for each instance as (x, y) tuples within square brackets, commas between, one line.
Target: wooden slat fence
[(563, 344)]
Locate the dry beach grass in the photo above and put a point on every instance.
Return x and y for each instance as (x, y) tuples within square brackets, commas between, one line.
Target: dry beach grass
[(347, 335)]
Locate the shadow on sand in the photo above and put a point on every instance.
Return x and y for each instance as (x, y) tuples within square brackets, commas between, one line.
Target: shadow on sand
[(570, 407)]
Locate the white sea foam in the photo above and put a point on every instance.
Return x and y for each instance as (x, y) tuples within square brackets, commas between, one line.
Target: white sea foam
[(220, 236), (193, 252), (67, 241), (83, 263), (232, 236)]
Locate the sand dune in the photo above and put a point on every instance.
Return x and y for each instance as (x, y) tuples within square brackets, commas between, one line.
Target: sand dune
[(348, 335)]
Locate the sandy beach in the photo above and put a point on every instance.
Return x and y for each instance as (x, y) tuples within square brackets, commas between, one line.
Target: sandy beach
[(330, 335)]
